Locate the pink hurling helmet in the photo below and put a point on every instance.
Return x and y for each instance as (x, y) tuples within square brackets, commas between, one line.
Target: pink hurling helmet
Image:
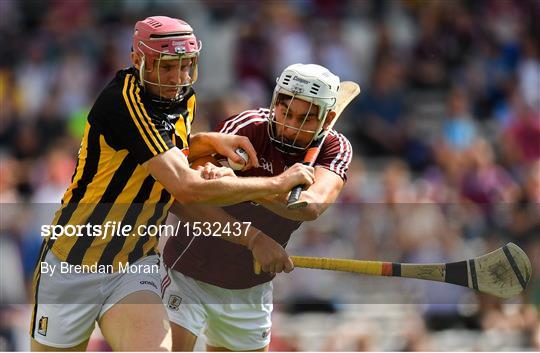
[(158, 39)]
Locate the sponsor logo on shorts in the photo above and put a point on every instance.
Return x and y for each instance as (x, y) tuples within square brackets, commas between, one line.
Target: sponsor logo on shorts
[(150, 283), (266, 333), (42, 326), (174, 302)]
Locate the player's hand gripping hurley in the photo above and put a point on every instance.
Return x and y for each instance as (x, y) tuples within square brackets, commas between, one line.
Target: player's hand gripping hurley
[(503, 273), (348, 90)]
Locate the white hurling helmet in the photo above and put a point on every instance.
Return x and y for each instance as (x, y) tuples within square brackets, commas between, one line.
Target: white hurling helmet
[(311, 83)]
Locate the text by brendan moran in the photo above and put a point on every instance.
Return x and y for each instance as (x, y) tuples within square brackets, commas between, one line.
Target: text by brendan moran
[(65, 267)]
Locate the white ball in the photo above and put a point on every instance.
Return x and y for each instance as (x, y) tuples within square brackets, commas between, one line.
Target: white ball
[(239, 166)]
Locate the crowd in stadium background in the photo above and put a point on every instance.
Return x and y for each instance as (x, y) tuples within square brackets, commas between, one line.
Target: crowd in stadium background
[(446, 136)]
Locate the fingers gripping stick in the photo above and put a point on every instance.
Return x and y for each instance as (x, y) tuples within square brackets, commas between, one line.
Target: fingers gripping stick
[(348, 90)]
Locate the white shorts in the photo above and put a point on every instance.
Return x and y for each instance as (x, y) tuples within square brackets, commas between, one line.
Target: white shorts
[(68, 304), (239, 320)]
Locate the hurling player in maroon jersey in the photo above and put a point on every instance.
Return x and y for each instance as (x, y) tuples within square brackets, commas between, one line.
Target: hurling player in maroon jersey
[(209, 283)]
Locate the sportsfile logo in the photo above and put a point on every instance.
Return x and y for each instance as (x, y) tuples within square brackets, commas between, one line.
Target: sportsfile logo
[(103, 231)]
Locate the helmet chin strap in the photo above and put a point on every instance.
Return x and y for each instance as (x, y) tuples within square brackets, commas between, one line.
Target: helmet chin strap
[(141, 72)]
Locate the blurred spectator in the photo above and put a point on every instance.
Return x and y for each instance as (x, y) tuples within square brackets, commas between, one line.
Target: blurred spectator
[(396, 180), (8, 177), (525, 221), (283, 344), (504, 21), (12, 287), (253, 57), (492, 76), (379, 215), (9, 118), (54, 177), (50, 124), (221, 108), (533, 251), (529, 72), (415, 336), (428, 63), (303, 287), (457, 36), (536, 337), (380, 127), (508, 319), (26, 143), (34, 78), (352, 336), (75, 81), (458, 132), (290, 40), (519, 139), (486, 183), (332, 51)]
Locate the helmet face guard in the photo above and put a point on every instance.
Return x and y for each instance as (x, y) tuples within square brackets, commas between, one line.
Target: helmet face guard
[(165, 44), (185, 65), (310, 83), (276, 128)]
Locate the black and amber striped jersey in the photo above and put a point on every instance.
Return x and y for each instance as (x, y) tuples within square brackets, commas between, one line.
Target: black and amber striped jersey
[(125, 128)]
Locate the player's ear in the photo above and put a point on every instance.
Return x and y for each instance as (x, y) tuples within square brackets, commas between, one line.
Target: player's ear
[(136, 60), (331, 116)]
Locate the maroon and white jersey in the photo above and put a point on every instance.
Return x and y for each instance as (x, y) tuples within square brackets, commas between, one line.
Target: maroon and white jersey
[(227, 265)]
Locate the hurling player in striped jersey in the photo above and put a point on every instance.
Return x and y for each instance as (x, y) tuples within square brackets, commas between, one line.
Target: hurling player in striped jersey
[(133, 165), (209, 285)]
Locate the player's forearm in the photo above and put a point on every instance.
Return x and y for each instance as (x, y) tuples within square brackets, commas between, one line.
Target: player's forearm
[(278, 205), (227, 190), (204, 213), (186, 185), (201, 145), (318, 196)]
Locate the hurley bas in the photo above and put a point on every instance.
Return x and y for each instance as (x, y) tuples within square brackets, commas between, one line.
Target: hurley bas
[(66, 267)]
